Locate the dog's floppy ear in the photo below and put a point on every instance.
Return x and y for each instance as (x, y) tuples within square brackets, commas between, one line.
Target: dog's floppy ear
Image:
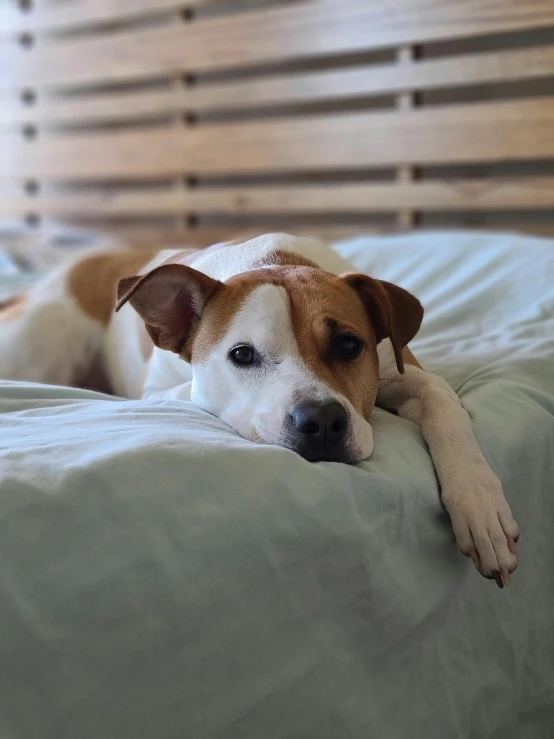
[(394, 312), (170, 300)]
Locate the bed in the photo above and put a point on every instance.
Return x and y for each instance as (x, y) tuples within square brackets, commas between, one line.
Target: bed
[(161, 576)]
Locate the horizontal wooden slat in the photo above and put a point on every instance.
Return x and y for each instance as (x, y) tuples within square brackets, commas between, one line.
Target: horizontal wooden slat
[(463, 195), (121, 106), (500, 66), (491, 67), (53, 16), (306, 29), (485, 132)]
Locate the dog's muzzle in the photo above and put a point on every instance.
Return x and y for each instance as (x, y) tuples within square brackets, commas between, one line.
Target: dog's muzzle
[(318, 431)]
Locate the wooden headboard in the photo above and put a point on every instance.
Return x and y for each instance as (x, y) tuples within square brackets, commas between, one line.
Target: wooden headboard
[(164, 119)]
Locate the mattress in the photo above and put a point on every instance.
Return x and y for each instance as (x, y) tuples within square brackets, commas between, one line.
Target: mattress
[(163, 577)]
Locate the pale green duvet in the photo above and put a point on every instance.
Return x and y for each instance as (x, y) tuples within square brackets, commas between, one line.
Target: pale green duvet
[(161, 578)]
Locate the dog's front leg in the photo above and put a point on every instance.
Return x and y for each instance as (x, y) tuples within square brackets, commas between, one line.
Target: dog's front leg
[(472, 494)]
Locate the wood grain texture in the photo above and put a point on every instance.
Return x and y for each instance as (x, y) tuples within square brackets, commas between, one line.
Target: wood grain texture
[(491, 67), (484, 132), (462, 195), (52, 16), (301, 30), (294, 120)]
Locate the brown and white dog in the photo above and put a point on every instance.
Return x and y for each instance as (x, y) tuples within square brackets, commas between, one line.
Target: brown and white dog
[(279, 338)]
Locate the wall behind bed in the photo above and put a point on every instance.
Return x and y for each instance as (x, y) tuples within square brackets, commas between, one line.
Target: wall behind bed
[(165, 120)]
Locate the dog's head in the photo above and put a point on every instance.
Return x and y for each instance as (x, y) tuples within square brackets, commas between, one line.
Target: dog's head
[(284, 354)]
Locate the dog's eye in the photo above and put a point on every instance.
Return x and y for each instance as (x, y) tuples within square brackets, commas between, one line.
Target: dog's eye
[(346, 347), (242, 355)]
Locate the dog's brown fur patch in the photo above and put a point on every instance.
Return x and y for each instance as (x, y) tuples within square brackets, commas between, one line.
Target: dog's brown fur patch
[(92, 281), (323, 305)]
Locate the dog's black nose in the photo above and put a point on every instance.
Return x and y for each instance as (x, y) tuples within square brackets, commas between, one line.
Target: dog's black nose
[(319, 430)]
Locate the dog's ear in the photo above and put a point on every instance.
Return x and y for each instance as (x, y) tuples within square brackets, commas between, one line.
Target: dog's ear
[(170, 300), (394, 312)]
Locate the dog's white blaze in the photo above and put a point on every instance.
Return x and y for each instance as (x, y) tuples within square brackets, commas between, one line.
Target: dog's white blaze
[(256, 401)]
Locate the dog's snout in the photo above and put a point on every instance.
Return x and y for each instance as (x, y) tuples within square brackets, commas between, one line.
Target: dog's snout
[(326, 421), (319, 430)]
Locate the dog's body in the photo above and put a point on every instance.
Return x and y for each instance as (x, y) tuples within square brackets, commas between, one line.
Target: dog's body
[(279, 338)]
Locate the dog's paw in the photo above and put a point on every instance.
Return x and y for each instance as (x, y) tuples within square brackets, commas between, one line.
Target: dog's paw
[(483, 524)]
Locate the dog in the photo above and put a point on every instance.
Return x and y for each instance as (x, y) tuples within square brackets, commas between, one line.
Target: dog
[(280, 338)]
